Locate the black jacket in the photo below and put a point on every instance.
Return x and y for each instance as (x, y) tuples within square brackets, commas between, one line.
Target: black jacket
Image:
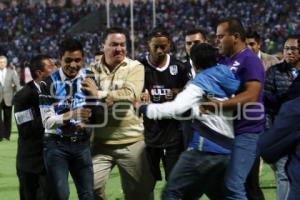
[(282, 139), (278, 81), (30, 142)]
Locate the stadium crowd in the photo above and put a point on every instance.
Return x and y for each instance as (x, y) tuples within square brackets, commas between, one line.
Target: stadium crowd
[(27, 30), (202, 97)]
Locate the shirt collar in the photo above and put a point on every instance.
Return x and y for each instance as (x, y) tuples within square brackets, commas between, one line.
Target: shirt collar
[(193, 71), (64, 77), (160, 68), (106, 69), (3, 74), (4, 70), (37, 86), (259, 54)]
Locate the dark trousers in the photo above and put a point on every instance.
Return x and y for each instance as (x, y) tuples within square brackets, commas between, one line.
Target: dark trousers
[(62, 157), (33, 186), (253, 189), (5, 120), (197, 173), (169, 157), (294, 193), (187, 133)]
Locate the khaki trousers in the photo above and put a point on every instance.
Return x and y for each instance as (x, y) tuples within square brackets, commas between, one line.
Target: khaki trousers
[(136, 179)]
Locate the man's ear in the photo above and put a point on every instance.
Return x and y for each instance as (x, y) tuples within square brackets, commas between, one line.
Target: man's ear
[(38, 73)]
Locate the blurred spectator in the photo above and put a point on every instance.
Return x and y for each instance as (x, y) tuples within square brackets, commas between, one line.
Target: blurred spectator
[(9, 84), (27, 30), (279, 78)]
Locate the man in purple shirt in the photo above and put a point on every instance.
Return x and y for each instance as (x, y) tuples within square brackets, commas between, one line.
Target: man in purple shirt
[(249, 115)]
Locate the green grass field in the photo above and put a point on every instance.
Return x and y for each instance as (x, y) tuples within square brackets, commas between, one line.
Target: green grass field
[(9, 180)]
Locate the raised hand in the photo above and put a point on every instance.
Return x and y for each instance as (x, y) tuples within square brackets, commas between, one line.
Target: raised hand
[(89, 86)]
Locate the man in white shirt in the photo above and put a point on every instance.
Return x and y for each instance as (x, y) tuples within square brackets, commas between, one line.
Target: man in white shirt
[(9, 84)]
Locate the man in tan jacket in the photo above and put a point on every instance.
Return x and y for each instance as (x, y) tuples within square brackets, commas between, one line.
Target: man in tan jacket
[(254, 43), (118, 137)]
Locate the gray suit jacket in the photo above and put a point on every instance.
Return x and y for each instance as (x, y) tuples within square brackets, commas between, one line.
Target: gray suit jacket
[(11, 86), (268, 60)]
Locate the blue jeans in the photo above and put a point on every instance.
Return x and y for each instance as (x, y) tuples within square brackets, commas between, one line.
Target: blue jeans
[(242, 159), (282, 181), (63, 157), (197, 173)]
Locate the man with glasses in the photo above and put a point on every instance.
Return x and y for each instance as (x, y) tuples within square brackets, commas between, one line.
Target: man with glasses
[(278, 80), (231, 43), (282, 139)]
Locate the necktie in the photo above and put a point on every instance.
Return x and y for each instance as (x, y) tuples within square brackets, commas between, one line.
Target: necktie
[(68, 88)]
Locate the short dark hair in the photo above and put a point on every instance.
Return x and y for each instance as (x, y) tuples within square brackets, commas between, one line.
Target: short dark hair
[(114, 30), (36, 63), (158, 32), (253, 34), (203, 55), (234, 26), (70, 44), (295, 36), (195, 31)]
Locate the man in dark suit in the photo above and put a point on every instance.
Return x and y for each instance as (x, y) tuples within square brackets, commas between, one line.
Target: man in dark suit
[(192, 36), (9, 84), (30, 166)]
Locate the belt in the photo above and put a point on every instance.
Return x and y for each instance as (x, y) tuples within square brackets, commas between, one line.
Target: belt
[(70, 130), (72, 139)]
